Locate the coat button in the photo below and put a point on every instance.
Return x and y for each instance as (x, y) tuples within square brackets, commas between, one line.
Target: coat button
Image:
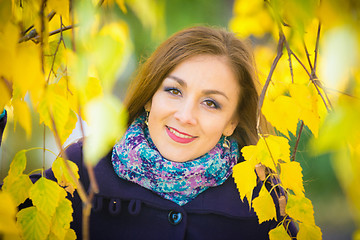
[(174, 217)]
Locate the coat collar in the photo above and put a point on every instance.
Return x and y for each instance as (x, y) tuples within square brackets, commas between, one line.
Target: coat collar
[(224, 199)]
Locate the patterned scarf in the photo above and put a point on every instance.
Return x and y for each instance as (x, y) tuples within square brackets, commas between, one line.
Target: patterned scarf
[(136, 159)]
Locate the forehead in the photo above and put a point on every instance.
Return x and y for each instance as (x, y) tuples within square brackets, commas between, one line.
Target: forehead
[(208, 72)]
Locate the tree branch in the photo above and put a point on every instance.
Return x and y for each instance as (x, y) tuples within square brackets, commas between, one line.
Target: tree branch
[(55, 53), (317, 47), (290, 62), (297, 141), (35, 36), (308, 56), (266, 85), (79, 186)]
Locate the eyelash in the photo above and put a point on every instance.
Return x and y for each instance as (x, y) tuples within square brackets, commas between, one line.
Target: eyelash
[(171, 90)]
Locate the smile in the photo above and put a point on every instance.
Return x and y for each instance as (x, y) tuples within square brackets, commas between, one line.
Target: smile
[(178, 136)]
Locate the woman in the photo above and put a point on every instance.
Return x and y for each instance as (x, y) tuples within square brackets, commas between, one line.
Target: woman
[(191, 107)]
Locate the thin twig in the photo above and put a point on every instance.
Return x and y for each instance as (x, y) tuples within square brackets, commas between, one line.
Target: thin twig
[(317, 47), (266, 85), (33, 35), (49, 17), (314, 81), (308, 56), (272, 178), (290, 62), (79, 186), (42, 32), (58, 30), (55, 53), (297, 141), (72, 22)]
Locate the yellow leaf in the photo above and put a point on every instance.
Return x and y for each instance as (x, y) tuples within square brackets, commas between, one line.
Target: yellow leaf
[(18, 187), (62, 219), (18, 163), (283, 113), (151, 14), (245, 179), (121, 4), (8, 38), (300, 208), (7, 212), (28, 75), (93, 88), (34, 223), (70, 235), (5, 94), (63, 176), (68, 127), (268, 151), (251, 18), (111, 48), (22, 115), (45, 195), (307, 99), (264, 206), (309, 232), (291, 177), (279, 233), (54, 109), (106, 119), (60, 7), (53, 58)]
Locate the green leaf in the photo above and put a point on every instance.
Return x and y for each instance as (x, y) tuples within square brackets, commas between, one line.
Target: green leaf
[(62, 174), (62, 219), (18, 163), (291, 177), (264, 206), (33, 223), (300, 208), (18, 187), (45, 195), (245, 179), (309, 232), (279, 233)]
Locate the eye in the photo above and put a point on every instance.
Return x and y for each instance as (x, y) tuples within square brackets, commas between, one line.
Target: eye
[(211, 104), (173, 91)]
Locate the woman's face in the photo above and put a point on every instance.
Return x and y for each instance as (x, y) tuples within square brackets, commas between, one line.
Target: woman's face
[(193, 107)]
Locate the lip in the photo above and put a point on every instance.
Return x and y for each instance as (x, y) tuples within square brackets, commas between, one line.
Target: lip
[(179, 139)]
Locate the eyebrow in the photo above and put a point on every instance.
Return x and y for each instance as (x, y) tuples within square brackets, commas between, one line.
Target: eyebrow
[(206, 92)]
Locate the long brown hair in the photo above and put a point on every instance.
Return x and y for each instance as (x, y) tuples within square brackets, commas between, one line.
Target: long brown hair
[(193, 41)]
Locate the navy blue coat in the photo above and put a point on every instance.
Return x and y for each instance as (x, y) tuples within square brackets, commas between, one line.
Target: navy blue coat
[(125, 210)]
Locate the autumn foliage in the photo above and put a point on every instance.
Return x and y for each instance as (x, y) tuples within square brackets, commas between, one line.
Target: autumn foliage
[(62, 58)]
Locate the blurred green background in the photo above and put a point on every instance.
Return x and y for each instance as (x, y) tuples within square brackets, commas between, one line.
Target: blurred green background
[(332, 212)]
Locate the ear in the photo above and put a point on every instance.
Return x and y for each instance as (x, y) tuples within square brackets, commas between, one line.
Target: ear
[(230, 127), (148, 106)]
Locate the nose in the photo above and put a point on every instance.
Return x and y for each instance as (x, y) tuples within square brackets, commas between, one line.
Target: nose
[(186, 112)]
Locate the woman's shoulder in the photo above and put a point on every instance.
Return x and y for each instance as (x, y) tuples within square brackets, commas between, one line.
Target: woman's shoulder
[(224, 200)]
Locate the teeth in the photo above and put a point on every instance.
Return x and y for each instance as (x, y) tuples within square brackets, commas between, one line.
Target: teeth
[(178, 134)]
